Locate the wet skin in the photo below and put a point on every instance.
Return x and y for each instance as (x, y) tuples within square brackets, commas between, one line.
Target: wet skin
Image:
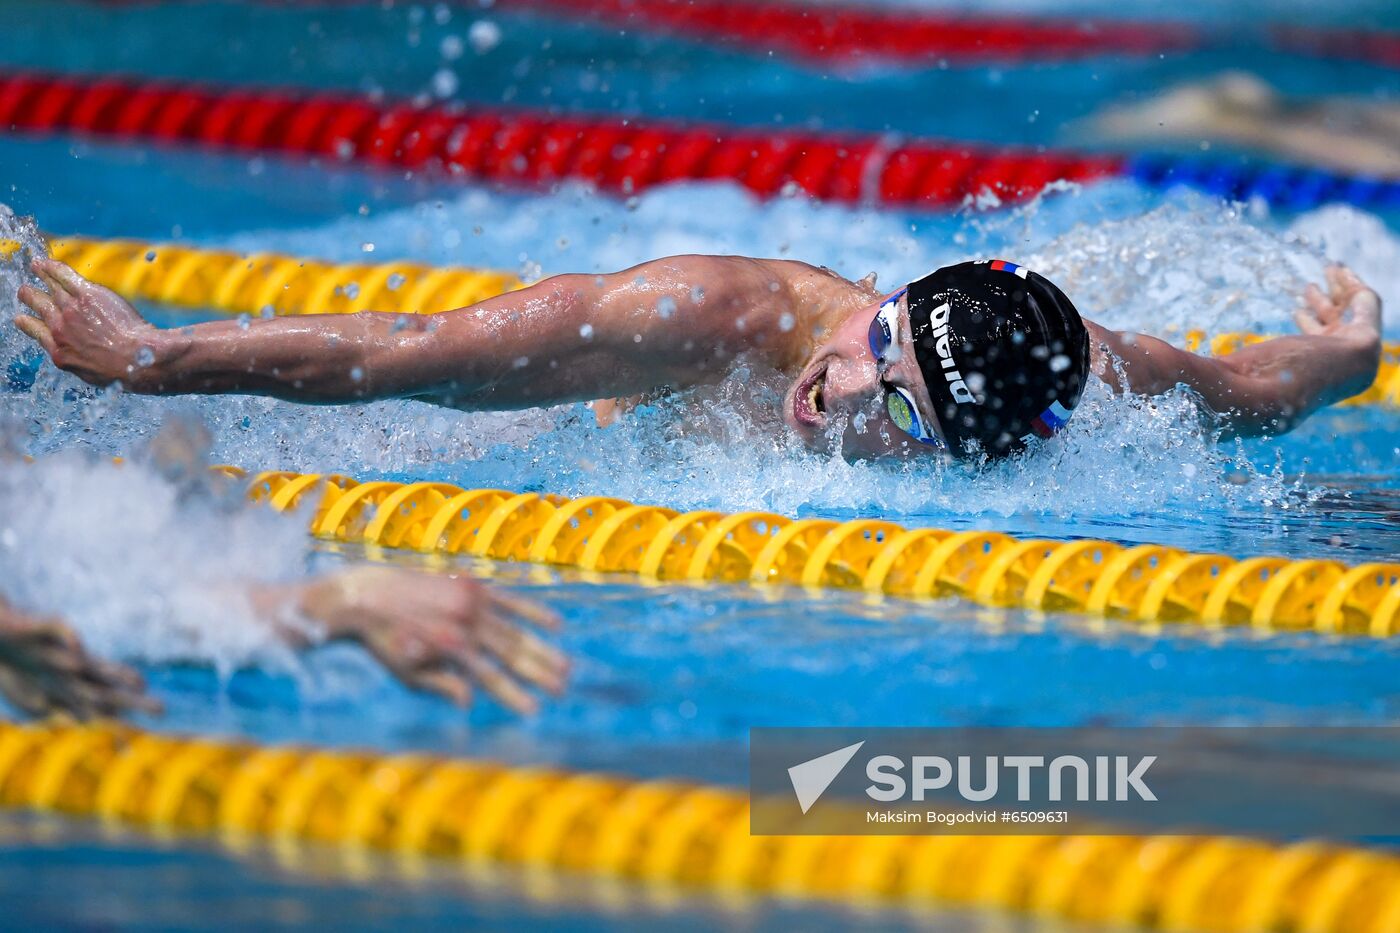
[(671, 323)]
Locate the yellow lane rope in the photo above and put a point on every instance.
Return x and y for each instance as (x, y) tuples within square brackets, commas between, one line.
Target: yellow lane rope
[(1145, 583), (676, 833), (269, 283)]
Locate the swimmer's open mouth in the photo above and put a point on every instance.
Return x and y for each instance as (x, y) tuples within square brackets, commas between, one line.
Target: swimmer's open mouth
[(809, 401)]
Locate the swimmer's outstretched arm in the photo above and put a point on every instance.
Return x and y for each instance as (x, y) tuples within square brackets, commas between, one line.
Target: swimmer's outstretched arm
[(670, 322), (1268, 387)]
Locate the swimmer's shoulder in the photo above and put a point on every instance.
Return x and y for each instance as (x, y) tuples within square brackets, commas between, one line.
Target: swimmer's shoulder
[(821, 287)]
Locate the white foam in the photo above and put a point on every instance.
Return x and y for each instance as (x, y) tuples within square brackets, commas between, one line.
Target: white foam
[(144, 565)]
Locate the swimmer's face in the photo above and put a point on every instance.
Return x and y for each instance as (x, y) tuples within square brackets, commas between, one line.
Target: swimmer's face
[(844, 382)]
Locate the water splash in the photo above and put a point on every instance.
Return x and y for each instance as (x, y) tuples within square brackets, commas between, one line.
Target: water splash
[(1188, 263), (147, 560)]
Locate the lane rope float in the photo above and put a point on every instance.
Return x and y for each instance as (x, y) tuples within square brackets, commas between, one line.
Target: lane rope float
[(623, 156), (271, 283), (1135, 584), (682, 834), (835, 32), (841, 33), (617, 155)]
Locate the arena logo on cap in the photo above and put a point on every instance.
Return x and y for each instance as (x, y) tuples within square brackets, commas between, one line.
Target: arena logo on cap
[(943, 344), (1001, 265)]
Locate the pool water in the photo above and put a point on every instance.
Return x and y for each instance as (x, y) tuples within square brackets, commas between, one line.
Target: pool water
[(667, 679)]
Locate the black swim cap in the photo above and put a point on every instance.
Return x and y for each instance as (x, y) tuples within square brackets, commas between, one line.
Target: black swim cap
[(1003, 351)]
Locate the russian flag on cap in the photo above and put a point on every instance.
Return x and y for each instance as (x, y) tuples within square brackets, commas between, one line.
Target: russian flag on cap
[(1050, 420), (1001, 265)]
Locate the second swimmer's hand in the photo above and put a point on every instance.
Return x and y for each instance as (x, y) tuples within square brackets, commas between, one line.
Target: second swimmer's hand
[(86, 329), (443, 634), (44, 669)]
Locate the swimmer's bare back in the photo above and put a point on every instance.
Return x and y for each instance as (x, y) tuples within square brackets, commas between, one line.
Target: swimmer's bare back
[(1348, 134), (672, 322)]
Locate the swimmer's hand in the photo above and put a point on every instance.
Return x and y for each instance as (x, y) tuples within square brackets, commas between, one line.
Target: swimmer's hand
[(1268, 387), (1350, 310), (86, 329), (44, 669), (442, 634)]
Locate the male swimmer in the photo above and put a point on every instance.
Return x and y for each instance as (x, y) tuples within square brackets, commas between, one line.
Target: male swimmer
[(974, 360), (1349, 134)]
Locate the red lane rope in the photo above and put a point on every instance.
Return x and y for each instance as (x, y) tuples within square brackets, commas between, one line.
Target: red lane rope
[(840, 32), (519, 147), (1383, 48)]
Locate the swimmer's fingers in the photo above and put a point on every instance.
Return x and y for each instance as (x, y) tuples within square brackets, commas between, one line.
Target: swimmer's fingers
[(39, 329), (1355, 297), (1316, 313), (119, 689), (444, 682), (525, 609), (59, 276), (22, 693), (41, 303), (524, 655), (505, 690), (34, 329)]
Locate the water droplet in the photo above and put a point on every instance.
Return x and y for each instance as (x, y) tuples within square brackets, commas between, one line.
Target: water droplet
[(357, 374), (395, 282), (520, 362), (586, 332), (445, 82), (484, 36), (666, 306), (352, 291), (697, 294), (145, 356), (786, 322), (1059, 363), (151, 255), (452, 47), (366, 247), (244, 321)]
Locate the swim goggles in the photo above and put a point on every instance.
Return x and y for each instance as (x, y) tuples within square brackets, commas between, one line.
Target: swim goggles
[(899, 401)]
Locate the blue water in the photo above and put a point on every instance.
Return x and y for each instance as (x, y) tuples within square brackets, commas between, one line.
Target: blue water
[(667, 680)]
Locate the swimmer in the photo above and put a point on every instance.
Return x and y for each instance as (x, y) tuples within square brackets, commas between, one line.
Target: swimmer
[(44, 669), (976, 359), (1349, 135), (436, 633)]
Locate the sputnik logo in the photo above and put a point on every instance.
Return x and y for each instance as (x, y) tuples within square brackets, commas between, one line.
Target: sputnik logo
[(811, 778)]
